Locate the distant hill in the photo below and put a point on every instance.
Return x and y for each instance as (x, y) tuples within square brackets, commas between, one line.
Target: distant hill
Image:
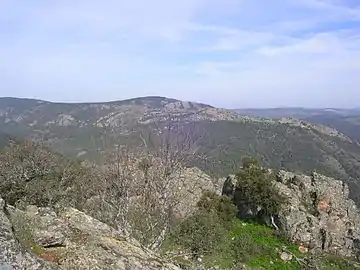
[(87, 130), (295, 112), (346, 121)]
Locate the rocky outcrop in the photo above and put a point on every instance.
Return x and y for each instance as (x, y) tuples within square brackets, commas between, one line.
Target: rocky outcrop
[(12, 254), (69, 239), (319, 214), (191, 183)]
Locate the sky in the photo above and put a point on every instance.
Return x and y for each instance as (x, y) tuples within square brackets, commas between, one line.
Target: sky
[(228, 53)]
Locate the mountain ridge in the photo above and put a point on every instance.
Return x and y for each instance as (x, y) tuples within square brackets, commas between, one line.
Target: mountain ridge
[(117, 101), (90, 130), (346, 121), (152, 102)]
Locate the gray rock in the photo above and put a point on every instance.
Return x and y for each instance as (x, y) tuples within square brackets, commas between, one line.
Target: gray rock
[(75, 241), (287, 257), (49, 238), (320, 216), (47, 229), (190, 185), (6, 266), (11, 252), (228, 187)]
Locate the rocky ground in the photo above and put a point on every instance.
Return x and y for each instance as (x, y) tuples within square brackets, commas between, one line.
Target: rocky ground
[(39, 238), (319, 218)]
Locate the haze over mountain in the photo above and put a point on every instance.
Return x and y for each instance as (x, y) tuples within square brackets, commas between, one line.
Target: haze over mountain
[(344, 120)]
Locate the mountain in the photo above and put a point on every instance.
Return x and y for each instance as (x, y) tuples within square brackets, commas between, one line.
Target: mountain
[(345, 120), (84, 127), (349, 124), (224, 137)]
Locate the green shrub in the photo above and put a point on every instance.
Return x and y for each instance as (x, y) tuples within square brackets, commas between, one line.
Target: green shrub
[(31, 174), (255, 189), (201, 233), (220, 206)]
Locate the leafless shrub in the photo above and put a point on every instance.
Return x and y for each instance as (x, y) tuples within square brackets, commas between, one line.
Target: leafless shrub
[(143, 189)]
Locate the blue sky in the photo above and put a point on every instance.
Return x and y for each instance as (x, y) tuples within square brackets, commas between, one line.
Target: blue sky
[(230, 53)]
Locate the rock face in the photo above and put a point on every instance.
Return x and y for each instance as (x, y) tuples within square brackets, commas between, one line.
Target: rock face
[(190, 185), (228, 186), (69, 239), (319, 216), (12, 254)]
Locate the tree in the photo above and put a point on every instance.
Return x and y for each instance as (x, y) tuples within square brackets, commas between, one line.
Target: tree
[(144, 188), (255, 193)]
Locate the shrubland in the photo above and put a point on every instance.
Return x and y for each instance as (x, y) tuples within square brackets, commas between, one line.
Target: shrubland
[(138, 196)]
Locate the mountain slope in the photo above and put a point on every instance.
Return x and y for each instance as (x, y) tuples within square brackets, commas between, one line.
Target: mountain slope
[(87, 130), (280, 146), (85, 127), (345, 120), (349, 125)]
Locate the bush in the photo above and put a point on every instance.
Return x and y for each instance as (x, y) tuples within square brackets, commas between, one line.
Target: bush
[(31, 174), (202, 233), (255, 190), (220, 206), (238, 242)]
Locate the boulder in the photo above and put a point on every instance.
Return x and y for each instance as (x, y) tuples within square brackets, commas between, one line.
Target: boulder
[(319, 214), (48, 231), (12, 254), (190, 185), (70, 239), (228, 187)]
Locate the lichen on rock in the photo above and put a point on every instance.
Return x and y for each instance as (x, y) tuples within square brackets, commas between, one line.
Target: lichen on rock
[(69, 239), (11, 252), (319, 214)]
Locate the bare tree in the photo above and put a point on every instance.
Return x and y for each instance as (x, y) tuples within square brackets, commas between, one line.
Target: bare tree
[(139, 191), (144, 188), (163, 174)]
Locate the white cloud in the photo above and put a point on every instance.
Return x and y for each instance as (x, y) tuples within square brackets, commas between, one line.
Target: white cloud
[(288, 48)]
